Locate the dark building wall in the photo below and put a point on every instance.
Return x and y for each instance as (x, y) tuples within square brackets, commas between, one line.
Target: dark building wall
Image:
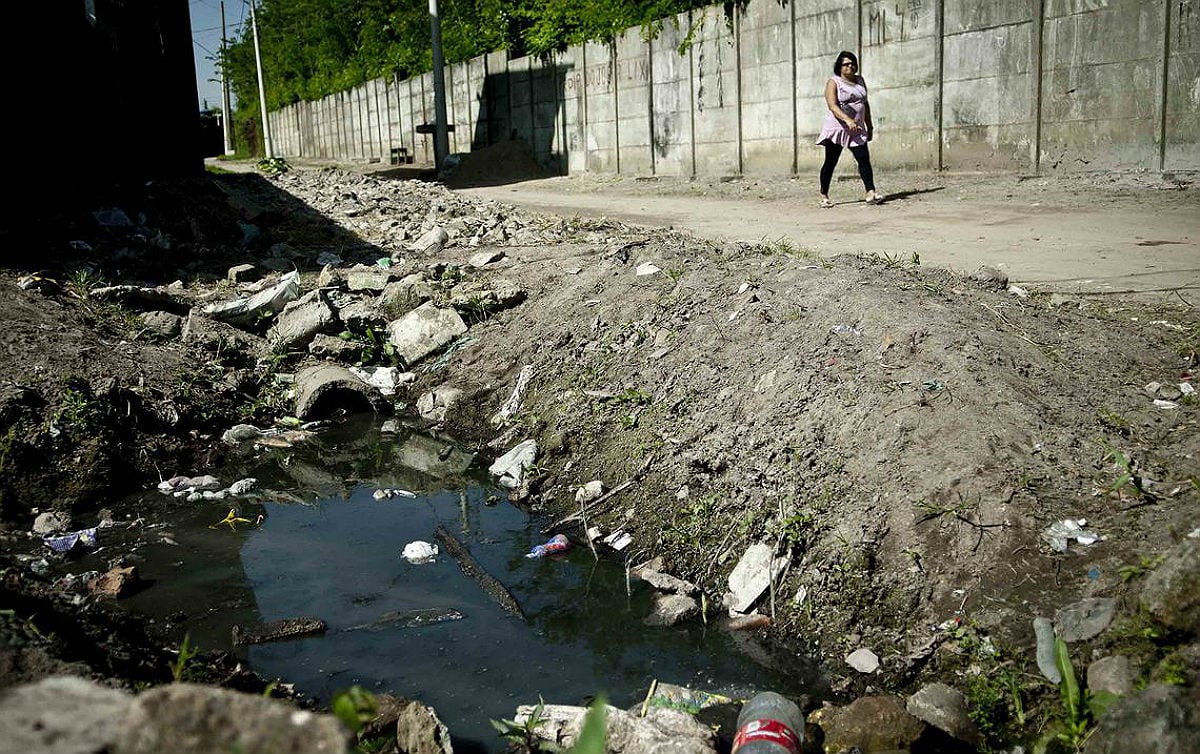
[(113, 93)]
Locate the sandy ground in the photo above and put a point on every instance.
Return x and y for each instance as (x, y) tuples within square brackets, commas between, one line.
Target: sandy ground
[(1074, 235)]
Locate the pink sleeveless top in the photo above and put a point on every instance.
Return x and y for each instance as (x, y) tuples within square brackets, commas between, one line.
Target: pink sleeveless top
[(852, 98)]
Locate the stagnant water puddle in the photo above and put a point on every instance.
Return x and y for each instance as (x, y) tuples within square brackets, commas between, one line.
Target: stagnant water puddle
[(327, 548)]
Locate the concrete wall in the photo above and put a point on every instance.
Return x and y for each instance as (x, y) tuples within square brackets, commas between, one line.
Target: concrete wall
[(1015, 85)]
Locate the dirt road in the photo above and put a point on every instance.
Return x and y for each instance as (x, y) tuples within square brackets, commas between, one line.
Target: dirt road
[(1073, 235)]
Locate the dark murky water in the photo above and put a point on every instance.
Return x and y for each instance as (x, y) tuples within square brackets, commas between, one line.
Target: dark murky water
[(328, 549)]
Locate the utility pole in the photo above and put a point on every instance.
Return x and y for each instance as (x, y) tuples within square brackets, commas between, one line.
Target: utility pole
[(441, 136), (225, 111), (268, 149)]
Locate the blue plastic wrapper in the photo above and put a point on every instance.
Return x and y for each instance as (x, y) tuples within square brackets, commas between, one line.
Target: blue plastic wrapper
[(67, 542)]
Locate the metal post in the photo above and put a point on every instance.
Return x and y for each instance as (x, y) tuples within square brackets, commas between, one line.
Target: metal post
[(268, 148), (225, 108), (441, 137)]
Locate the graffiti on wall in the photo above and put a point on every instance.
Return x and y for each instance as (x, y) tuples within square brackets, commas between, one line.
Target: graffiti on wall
[(599, 77), (1055, 8), (893, 22)]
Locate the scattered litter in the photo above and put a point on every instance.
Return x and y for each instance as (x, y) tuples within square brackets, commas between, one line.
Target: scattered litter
[(232, 519), (68, 542), (1018, 291), (933, 386), (743, 288), (1194, 533), (242, 486), (589, 492), (182, 486), (682, 698), (1043, 629), (390, 427), (846, 330), (513, 404), (1159, 403), (863, 660), (384, 263), (419, 552), (271, 300), (1060, 533), (752, 576), (645, 269), (240, 433), (557, 543), (620, 539), (1185, 388), (510, 467), (387, 494), (386, 380)]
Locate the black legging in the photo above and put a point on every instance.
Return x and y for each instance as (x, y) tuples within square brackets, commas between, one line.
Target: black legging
[(861, 154)]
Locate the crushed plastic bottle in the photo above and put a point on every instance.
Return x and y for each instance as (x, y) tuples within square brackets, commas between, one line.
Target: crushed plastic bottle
[(557, 543), (769, 724)]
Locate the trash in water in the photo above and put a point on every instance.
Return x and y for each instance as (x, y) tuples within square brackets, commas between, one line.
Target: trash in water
[(232, 519), (420, 552), (557, 543), (1060, 533), (846, 330), (181, 486), (67, 542), (388, 494)]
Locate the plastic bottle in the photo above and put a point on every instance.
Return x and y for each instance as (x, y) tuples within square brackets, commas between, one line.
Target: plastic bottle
[(769, 724), (557, 543)]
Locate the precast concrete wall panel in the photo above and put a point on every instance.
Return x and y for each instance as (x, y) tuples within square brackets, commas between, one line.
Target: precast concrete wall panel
[(599, 88), (988, 106), (546, 104), (1181, 121), (633, 103), (715, 83), (520, 98), (671, 108), (476, 137), (498, 103), (423, 107), (765, 58), (823, 29), (460, 93), (899, 64), (1100, 84), (574, 109), (374, 121)]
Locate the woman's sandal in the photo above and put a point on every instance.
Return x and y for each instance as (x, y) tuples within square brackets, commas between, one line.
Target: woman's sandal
[(826, 204), (876, 199)]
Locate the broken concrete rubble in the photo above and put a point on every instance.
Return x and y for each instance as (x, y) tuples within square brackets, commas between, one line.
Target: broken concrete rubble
[(301, 321), (423, 331)]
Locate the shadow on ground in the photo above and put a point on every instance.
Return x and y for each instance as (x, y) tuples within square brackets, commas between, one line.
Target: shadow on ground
[(191, 229)]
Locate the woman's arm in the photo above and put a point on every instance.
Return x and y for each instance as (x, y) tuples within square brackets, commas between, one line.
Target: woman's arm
[(832, 104)]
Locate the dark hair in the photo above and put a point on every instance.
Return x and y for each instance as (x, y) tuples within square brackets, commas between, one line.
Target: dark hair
[(837, 64)]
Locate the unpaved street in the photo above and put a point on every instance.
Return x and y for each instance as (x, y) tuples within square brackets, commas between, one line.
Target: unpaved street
[(1094, 235)]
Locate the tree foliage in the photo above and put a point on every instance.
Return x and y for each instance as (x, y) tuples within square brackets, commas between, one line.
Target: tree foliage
[(313, 48)]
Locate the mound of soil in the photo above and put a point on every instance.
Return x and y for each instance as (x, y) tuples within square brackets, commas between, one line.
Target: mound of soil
[(505, 162)]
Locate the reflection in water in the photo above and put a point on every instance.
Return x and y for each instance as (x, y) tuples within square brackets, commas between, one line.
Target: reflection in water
[(337, 557)]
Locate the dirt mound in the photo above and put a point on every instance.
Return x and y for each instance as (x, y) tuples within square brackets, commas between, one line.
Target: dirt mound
[(506, 162)]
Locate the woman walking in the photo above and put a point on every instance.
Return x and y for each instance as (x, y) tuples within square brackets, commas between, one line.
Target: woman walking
[(847, 124)]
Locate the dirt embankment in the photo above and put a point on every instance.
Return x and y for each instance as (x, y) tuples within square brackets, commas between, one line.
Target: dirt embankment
[(902, 436)]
